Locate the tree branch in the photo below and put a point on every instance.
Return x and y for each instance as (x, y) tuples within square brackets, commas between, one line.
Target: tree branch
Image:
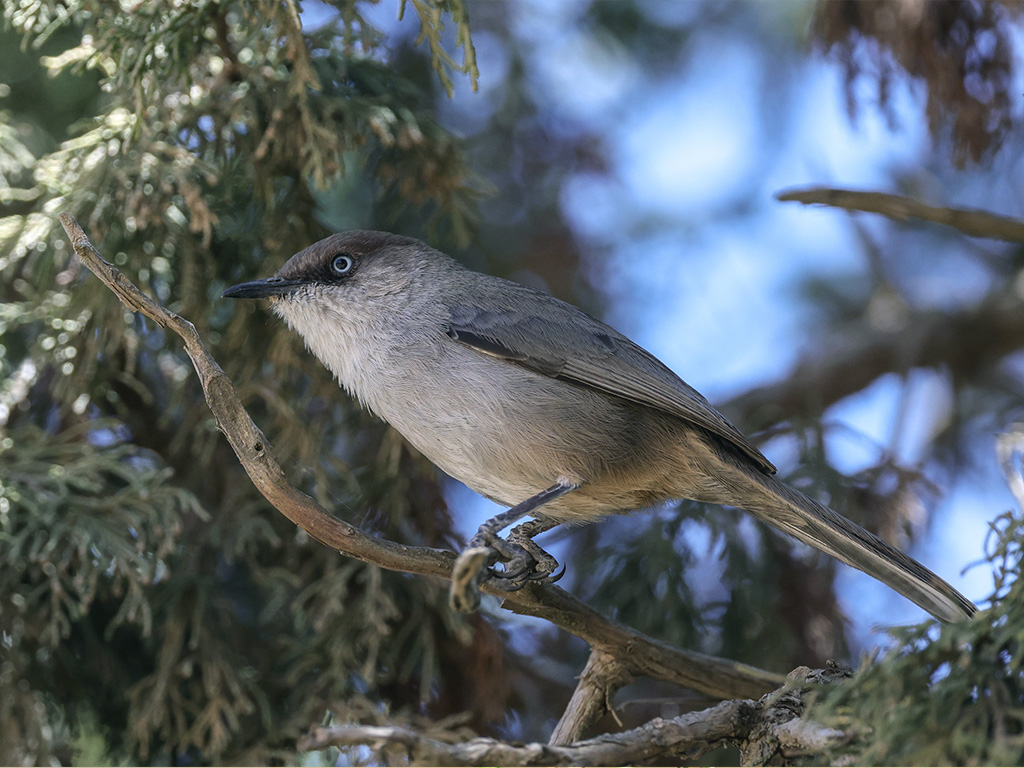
[(639, 653), (692, 734), (963, 342), (599, 681), (969, 221), (780, 731), (765, 729)]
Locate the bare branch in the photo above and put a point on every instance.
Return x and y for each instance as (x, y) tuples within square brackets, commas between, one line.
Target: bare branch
[(766, 730), (969, 221), (599, 681), (641, 654), (692, 734), (964, 343), (779, 730)]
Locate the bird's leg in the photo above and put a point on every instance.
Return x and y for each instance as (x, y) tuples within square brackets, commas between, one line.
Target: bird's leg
[(484, 548)]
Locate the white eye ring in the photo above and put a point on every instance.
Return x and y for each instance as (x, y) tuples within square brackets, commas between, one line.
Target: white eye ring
[(342, 264)]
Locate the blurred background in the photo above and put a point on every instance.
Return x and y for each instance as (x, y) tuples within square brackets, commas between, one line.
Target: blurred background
[(624, 156)]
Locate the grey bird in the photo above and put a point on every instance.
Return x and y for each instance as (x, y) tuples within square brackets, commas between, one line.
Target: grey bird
[(538, 406)]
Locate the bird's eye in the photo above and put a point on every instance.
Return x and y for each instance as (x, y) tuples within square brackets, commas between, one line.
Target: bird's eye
[(342, 264)]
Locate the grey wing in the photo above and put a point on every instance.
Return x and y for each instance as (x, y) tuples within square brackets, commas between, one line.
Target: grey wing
[(571, 346)]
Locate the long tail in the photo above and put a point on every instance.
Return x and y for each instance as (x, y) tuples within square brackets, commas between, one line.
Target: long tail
[(789, 510)]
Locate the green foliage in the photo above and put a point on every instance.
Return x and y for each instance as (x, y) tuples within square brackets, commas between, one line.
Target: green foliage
[(87, 526), (153, 608), (15, 160), (431, 28), (944, 695), (77, 509), (727, 598), (651, 556)]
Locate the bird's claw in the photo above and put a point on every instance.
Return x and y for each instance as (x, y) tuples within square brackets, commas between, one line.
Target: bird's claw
[(523, 563), (513, 582)]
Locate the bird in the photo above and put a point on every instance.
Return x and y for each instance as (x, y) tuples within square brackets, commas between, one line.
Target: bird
[(540, 407)]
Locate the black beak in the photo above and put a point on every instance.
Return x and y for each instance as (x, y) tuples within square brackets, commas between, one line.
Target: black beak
[(261, 289)]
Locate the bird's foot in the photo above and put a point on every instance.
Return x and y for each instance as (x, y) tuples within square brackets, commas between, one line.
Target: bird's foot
[(523, 561), (508, 565), (464, 593)]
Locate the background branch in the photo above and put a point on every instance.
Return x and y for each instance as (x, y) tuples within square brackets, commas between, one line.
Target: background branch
[(969, 221), (964, 342)]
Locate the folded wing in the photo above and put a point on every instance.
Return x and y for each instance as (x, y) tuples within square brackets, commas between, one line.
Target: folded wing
[(552, 338)]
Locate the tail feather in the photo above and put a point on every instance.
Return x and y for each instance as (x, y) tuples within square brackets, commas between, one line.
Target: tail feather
[(785, 508)]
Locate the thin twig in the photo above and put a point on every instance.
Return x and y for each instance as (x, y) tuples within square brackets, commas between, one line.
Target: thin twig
[(967, 220), (641, 654)]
